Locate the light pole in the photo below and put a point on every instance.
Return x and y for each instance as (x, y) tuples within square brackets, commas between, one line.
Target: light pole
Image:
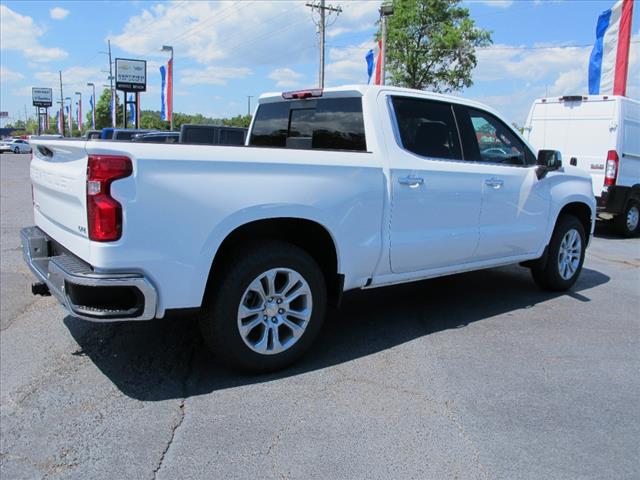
[(79, 111), (169, 48), (70, 116), (385, 11), (93, 107)]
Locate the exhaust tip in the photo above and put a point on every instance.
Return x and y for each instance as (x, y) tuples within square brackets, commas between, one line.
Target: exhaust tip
[(40, 288)]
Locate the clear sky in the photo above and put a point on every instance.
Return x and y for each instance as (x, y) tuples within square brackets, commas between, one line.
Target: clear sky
[(227, 50)]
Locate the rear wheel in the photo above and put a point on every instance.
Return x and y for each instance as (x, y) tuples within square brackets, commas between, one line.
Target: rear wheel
[(628, 223), (565, 256), (266, 308)]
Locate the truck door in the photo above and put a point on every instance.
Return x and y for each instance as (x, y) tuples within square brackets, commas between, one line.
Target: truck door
[(515, 203), (435, 194)]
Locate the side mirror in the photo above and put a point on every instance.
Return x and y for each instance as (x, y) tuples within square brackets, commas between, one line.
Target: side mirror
[(548, 160)]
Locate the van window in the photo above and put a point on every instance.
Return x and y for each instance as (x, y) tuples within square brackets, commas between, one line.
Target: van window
[(427, 128), (323, 124)]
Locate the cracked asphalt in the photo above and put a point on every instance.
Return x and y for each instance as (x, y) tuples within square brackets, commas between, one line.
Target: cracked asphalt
[(479, 375)]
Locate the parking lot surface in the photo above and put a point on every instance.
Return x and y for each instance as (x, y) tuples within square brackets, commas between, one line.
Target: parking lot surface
[(480, 375)]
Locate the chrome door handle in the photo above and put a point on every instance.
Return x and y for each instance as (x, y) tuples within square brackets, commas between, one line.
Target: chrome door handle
[(411, 182), (494, 183)]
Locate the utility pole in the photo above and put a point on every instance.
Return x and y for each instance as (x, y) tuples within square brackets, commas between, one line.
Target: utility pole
[(385, 11), (249, 97), (113, 96), (322, 26), (61, 103)]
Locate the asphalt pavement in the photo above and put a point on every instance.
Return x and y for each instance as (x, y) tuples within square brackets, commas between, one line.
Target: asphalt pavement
[(480, 375)]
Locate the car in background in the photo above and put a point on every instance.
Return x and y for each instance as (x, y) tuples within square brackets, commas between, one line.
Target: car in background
[(16, 145), (157, 137), (93, 134), (106, 133)]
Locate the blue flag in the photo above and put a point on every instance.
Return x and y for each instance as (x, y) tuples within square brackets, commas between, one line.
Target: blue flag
[(370, 64), (132, 112)]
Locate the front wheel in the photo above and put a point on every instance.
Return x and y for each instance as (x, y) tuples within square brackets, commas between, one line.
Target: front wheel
[(265, 309), (628, 223), (565, 256), (16, 150)]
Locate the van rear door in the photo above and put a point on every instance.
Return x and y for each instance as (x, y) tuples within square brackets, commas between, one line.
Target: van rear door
[(585, 130)]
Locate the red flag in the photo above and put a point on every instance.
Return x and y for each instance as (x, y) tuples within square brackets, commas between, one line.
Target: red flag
[(378, 64), (622, 57)]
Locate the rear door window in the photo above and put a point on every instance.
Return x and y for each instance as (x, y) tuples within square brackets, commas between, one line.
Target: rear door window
[(427, 128), (322, 124)]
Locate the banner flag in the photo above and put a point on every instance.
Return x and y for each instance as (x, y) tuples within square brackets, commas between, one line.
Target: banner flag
[(379, 63), (132, 113), (93, 113), (609, 60), (80, 114), (370, 64), (166, 79)]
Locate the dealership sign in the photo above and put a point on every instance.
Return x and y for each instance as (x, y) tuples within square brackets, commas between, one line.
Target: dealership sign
[(131, 75), (42, 97)]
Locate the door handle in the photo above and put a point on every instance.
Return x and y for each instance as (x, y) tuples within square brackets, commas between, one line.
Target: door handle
[(494, 183), (411, 182)]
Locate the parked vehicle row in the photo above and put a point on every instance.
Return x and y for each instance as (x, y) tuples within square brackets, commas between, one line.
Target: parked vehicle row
[(346, 188)]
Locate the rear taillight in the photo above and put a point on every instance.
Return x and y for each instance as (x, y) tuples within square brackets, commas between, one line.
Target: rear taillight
[(611, 169), (104, 213)]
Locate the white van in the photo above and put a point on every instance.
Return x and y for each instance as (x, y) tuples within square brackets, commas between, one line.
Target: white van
[(599, 134)]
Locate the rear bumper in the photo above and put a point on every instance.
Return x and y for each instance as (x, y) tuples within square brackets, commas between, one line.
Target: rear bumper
[(612, 201), (86, 294)]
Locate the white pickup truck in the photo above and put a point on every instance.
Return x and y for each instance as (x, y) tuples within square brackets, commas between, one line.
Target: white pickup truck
[(347, 188)]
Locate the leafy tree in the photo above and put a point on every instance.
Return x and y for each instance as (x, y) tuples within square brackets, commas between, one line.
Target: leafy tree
[(103, 111), (431, 44), (237, 121)]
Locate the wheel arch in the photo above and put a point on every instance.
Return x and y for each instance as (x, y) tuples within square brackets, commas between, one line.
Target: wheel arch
[(307, 234)]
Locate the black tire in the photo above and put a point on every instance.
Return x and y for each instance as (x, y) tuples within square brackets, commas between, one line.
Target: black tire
[(16, 150), (623, 222), (548, 276), (219, 317)]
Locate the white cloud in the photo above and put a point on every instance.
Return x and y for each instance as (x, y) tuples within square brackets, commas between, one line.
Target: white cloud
[(348, 64), (58, 13), (74, 79), (356, 16), (9, 75), (237, 32), (285, 77), (497, 3), (539, 72), (212, 75), (19, 32)]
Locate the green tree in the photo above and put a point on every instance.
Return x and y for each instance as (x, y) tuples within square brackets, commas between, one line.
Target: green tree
[(103, 111), (237, 121), (431, 44)]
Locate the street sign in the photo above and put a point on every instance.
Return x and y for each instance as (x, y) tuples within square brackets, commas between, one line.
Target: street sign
[(42, 97), (131, 75), (4, 114)]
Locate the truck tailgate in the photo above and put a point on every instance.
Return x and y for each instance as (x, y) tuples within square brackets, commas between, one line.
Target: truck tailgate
[(58, 176)]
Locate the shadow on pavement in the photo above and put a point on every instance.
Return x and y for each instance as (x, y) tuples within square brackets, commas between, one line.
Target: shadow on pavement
[(165, 359), (608, 230)]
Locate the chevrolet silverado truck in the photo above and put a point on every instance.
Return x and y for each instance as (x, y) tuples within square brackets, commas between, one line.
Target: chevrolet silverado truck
[(355, 187)]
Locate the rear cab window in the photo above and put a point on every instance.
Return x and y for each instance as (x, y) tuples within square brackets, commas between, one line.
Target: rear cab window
[(427, 128), (315, 124)]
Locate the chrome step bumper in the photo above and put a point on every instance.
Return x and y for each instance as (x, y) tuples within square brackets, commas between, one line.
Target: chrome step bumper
[(98, 297)]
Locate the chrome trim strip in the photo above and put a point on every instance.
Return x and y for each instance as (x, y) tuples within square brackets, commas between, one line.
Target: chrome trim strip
[(54, 273)]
